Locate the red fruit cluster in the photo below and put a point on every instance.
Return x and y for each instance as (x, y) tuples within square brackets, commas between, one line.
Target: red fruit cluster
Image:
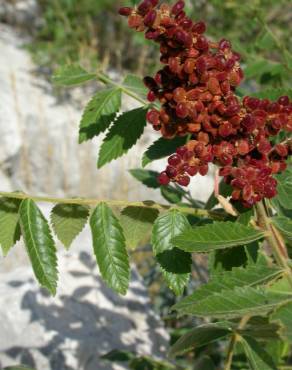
[(196, 91)]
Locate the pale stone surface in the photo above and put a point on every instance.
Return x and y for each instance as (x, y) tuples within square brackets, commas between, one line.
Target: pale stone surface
[(84, 320)]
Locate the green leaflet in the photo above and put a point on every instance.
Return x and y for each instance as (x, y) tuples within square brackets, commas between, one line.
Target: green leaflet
[(99, 113), (260, 66), (124, 134), (135, 84), (117, 355), (110, 248), (283, 315), (285, 189), (147, 177), (235, 303), (261, 328), (198, 337), (253, 275), (9, 223), (165, 228), (70, 75), (218, 235), (137, 224), (68, 220), (175, 264), (284, 224), (272, 94), (161, 148), (257, 357), (171, 194), (39, 244)]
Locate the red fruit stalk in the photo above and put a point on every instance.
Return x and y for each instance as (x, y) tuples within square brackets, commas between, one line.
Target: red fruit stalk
[(196, 90)]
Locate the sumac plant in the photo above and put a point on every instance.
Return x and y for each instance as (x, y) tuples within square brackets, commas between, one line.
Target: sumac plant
[(245, 227)]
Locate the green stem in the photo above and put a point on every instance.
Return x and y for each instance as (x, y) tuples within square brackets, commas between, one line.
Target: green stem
[(281, 47), (233, 340), (275, 241), (114, 203)]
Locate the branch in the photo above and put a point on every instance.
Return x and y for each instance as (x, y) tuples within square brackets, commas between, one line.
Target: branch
[(275, 240), (114, 203), (233, 341)]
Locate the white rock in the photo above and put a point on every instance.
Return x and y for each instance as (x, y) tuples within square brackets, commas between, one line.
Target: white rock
[(84, 320), (5, 183)]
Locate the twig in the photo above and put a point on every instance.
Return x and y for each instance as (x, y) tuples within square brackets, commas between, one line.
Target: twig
[(117, 203)]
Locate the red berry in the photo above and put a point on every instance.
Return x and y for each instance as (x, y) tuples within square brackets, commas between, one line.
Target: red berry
[(264, 146), (199, 27), (178, 7), (192, 170), (181, 151), (134, 20), (186, 23), (174, 160), (163, 179), (179, 95), (282, 150), (145, 6), (181, 110), (171, 171), (273, 108), (125, 11), (202, 43), (153, 117), (183, 180), (151, 96), (150, 17), (283, 100), (224, 44), (203, 169), (243, 147)]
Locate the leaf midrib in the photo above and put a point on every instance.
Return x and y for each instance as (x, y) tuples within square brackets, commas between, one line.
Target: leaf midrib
[(33, 242), (100, 108), (109, 249)]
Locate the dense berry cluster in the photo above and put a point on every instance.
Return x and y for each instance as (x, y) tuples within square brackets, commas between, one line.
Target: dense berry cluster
[(196, 91)]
